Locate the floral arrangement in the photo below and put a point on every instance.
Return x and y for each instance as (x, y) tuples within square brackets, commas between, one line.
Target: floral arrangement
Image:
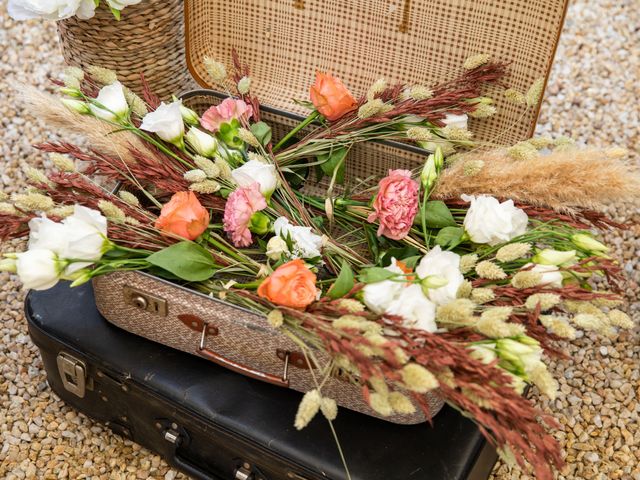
[(460, 276), (61, 9)]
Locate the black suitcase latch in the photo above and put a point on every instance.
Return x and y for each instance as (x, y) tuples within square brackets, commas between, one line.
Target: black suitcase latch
[(73, 373)]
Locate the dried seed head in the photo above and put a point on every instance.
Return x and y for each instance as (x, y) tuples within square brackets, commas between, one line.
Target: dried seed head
[(526, 279), (514, 96), (74, 72), (456, 133), (244, 85), (482, 295), (490, 271), (248, 137), (8, 209), (587, 321), (379, 385), (137, 105), (542, 379), (205, 187), (564, 141), (257, 157), (401, 404), (523, 151), (207, 166), (558, 326), (618, 318), (37, 177), (3, 196), (453, 159), (497, 314), (534, 94), (371, 108), (495, 329), (216, 70), (275, 318), (380, 404), (471, 168), (576, 306), (111, 211), (601, 301), (459, 311), (351, 305), (102, 75), (62, 162), (194, 176), (464, 290), (417, 378), (483, 110), (33, 202), (129, 198), (476, 61), (468, 262), (513, 251), (329, 408), (224, 168), (546, 301), (61, 211), (421, 134), (616, 152), (420, 92), (131, 221), (377, 88), (71, 82), (540, 142), (307, 409)]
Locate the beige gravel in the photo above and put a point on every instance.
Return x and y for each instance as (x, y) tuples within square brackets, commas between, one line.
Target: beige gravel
[(592, 97)]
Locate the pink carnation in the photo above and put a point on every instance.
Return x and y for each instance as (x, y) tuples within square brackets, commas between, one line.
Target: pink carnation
[(241, 205), (229, 109), (396, 204)]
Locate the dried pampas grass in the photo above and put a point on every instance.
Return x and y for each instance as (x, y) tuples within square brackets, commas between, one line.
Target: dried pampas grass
[(562, 180), (100, 135)]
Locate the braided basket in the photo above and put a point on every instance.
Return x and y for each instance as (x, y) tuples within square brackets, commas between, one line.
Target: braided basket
[(148, 39)]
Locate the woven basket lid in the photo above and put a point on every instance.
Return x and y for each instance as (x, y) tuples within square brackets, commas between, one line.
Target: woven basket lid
[(284, 42)]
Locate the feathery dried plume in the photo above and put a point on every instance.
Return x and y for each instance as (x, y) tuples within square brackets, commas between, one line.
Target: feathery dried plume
[(456, 133), (131, 221), (205, 187), (62, 211), (329, 408), (496, 314), (248, 137), (607, 302), (534, 94), (523, 151), (370, 108), (62, 162), (210, 169), (457, 312), (468, 262), (353, 322), (512, 251), (377, 88), (420, 92), (417, 378), (194, 176), (588, 321), (111, 211), (546, 301), (492, 328), (216, 70), (33, 202), (618, 318), (223, 168), (576, 306), (540, 142), (129, 198), (244, 85), (275, 318), (351, 305), (476, 61), (490, 271), (308, 408), (482, 295), (420, 134), (37, 177), (380, 404), (514, 96), (464, 290), (8, 209), (74, 72), (135, 102), (102, 75), (71, 81), (401, 404), (562, 181), (483, 110), (542, 379), (472, 168), (526, 279), (558, 326)]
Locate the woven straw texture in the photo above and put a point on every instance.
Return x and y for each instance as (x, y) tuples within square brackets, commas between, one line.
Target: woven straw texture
[(426, 41), (148, 39), (243, 337)]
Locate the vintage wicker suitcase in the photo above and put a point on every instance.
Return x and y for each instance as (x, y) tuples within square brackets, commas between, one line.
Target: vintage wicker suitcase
[(284, 43)]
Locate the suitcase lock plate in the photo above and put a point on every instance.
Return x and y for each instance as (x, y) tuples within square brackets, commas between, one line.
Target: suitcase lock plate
[(73, 373), (145, 301)]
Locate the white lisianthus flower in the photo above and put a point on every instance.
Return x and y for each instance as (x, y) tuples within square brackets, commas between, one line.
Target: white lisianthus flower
[(551, 275), (549, 256), (203, 143), (47, 234), (256, 171), (39, 268), (276, 247), (457, 121), (306, 244), (120, 4), (86, 232), (166, 122), (112, 98), (378, 296), (445, 265), (416, 309), (492, 222), (50, 9)]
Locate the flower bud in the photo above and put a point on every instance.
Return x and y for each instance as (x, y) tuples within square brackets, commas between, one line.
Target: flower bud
[(429, 173), (203, 143), (75, 105), (588, 243), (71, 92), (549, 256), (259, 223), (8, 265), (483, 353), (432, 282), (189, 116), (276, 247)]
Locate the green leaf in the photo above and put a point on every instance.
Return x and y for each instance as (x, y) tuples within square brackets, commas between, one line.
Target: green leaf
[(398, 253), (262, 132), (438, 215), (376, 274), (450, 237), (411, 262), (344, 283), (332, 161), (116, 13), (186, 260)]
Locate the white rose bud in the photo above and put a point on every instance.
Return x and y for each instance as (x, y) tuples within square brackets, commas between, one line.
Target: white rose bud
[(256, 171), (112, 98), (492, 222), (445, 266), (166, 122), (306, 244), (457, 121), (203, 143), (549, 256), (39, 269), (276, 247)]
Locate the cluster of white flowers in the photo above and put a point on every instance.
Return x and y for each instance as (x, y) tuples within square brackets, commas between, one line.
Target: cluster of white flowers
[(60, 9), (61, 250), (305, 243)]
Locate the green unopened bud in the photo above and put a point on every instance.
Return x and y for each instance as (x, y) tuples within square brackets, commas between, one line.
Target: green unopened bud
[(588, 243), (75, 105), (483, 353), (81, 278), (71, 92), (549, 256), (438, 157), (432, 281), (8, 265), (259, 223), (189, 116), (429, 173)]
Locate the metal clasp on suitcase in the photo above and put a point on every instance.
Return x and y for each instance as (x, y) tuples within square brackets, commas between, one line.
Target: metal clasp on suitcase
[(73, 373)]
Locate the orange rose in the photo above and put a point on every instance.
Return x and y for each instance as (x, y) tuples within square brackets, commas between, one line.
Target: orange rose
[(330, 97), (290, 285), (183, 216)]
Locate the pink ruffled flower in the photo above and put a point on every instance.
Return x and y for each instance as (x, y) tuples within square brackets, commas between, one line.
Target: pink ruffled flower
[(241, 205), (229, 109), (396, 204)]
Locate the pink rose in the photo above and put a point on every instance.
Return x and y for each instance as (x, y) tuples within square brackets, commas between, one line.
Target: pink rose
[(241, 205), (396, 204), (229, 109)]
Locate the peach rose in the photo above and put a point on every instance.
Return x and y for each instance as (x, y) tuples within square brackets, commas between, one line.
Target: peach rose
[(291, 285), (330, 97), (183, 216), (396, 204)]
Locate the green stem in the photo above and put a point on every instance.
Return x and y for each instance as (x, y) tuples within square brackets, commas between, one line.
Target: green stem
[(312, 116)]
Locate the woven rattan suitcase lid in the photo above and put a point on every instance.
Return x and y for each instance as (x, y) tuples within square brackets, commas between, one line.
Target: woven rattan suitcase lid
[(413, 41)]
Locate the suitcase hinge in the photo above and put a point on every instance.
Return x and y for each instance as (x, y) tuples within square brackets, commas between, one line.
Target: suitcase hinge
[(73, 373), (244, 472)]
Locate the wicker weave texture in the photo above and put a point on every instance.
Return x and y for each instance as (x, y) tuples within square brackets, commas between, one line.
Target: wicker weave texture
[(244, 337), (411, 41), (148, 39)]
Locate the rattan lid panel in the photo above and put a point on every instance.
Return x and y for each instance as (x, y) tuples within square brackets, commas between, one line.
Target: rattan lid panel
[(285, 42)]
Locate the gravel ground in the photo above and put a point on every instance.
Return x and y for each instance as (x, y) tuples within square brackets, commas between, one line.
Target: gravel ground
[(592, 97)]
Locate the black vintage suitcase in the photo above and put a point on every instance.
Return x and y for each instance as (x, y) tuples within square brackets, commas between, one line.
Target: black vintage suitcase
[(214, 424)]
